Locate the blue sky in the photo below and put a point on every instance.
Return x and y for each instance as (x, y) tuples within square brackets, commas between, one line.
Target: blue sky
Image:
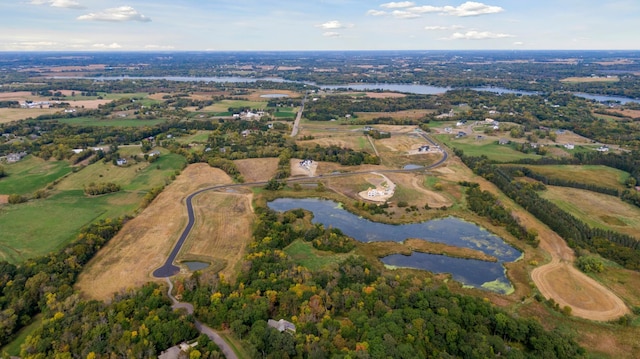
[(133, 25)]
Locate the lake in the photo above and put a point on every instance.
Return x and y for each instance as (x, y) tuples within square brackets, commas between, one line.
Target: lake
[(406, 88), (452, 231)]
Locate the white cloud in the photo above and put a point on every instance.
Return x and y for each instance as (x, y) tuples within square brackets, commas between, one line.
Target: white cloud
[(68, 4), (472, 8), (331, 34), (376, 13), (409, 10), (118, 14), (397, 5), (333, 24), (518, 43), (401, 14), (438, 27), (426, 9), (110, 46), (478, 35)]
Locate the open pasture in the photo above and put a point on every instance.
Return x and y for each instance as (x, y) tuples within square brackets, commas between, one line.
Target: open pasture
[(141, 176), (487, 147), (42, 226), (596, 209), (224, 105), (594, 175), (31, 174)]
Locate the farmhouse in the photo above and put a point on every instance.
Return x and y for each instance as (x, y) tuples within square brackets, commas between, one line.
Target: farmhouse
[(154, 153), (603, 148), (121, 161), (423, 148), (569, 146), (503, 141), (15, 157), (282, 325)]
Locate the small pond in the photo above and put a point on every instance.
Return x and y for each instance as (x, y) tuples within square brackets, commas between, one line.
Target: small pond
[(452, 231), (412, 167), (193, 265)]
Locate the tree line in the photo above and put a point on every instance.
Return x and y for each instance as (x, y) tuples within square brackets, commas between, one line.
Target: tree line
[(615, 246)]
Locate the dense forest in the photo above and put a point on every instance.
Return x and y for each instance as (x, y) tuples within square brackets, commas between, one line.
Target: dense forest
[(355, 309)]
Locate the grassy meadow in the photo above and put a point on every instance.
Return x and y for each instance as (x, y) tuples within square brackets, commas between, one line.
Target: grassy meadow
[(41, 226), (589, 174), (32, 174), (489, 148)]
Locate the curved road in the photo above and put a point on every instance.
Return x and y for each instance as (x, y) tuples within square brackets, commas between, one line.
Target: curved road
[(224, 347), (168, 269)]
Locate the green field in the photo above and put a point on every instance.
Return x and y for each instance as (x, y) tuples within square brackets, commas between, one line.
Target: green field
[(489, 148), (91, 121), (41, 226), (596, 209), (595, 175), (140, 176), (32, 174), (224, 105), (198, 137), (305, 255)]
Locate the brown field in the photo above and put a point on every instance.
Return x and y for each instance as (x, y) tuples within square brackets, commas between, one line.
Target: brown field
[(408, 114), (591, 79), (15, 114), (222, 230), (630, 113), (17, 96), (384, 94), (144, 242), (257, 169), (401, 143), (90, 104), (4, 198)]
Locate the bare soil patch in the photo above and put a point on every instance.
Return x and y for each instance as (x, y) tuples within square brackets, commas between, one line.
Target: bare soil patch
[(144, 242), (4, 198), (257, 169), (16, 96), (591, 79)]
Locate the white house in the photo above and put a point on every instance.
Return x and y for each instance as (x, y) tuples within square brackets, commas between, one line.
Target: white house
[(569, 146)]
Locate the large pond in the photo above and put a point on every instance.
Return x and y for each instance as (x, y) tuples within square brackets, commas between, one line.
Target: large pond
[(450, 230)]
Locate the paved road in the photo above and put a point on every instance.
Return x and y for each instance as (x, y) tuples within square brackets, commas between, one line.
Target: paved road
[(296, 124), (212, 334)]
